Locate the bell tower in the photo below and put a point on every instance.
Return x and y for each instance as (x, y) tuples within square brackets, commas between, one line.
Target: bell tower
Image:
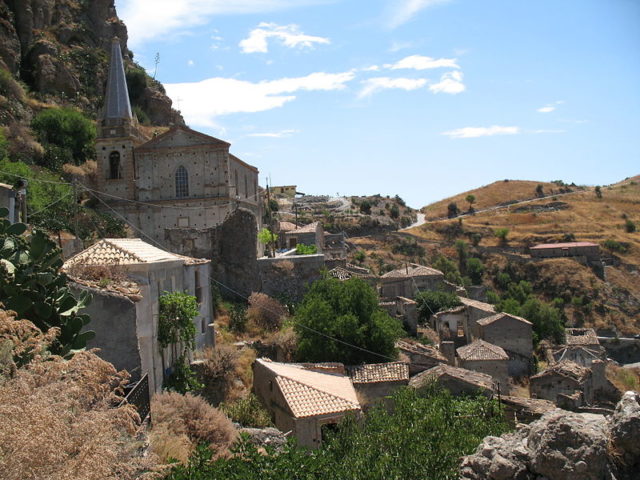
[(117, 134)]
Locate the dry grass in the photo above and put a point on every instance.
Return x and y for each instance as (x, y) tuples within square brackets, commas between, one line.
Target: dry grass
[(624, 379), (188, 418), (265, 312), (59, 420), (286, 343)]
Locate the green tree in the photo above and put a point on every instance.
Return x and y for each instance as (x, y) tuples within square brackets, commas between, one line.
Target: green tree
[(629, 226), (365, 207), (66, 134), (267, 238), (502, 234), (449, 268), (394, 212), (432, 302), (598, 191), (349, 312), (463, 253), (475, 270), (452, 210), (470, 199), (539, 190), (31, 284)]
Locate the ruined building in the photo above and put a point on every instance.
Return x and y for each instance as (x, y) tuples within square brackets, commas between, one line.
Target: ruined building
[(181, 179)]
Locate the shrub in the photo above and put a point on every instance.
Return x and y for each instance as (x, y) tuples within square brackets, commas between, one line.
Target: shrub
[(286, 343), (405, 221), (502, 234), (475, 239), (192, 417), (449, 268), (394, 212), (266, 312), (238, 318), (629, 226), (303, 249), (408, 248), (475, 270), (359, 256), (365, 207), (248, 412), (432, 302), (615, 246), (452, 210)]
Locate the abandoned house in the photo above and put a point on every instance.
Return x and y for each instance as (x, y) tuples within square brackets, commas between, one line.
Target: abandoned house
[(515, 335), (457, 380), (410, 280), (569, 249), (419, 357), (581, 346), (349, 270), (373, 382), (305, 400), (487, 358), (288, 191), (177, 180), (126, 278), (460, 324), (404, 310), (312, 234)]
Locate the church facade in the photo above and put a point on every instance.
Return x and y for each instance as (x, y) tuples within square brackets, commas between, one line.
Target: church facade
[(181, 179)]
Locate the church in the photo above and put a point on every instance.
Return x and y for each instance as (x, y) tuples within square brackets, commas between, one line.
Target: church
[(180, 179)]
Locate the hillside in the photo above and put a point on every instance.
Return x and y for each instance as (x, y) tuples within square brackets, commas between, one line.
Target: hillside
[(583, 297), (502, 192)]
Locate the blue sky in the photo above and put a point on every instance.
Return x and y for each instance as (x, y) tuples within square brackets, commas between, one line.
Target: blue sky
[(421, 98)]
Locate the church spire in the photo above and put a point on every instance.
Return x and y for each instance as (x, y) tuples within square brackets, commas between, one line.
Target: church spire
[(117, 104)]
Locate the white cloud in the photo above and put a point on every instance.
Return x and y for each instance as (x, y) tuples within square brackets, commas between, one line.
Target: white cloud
[(450, 82), (543, 130), (201, 102), (475, 132), (373, 85), (550, 107), (404, 10), (149, 19), (289, 35), (280, 134), (420, 62), (190, 63)]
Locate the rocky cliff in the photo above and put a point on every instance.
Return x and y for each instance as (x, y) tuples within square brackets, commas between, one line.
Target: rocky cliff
[(58, 50), (564, 446)]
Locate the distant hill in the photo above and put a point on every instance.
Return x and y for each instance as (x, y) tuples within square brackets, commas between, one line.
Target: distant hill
[(502, 192)]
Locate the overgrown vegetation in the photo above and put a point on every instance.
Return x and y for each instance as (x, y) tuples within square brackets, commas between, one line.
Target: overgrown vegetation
[(423, 437), (432, 302), (303, 249), (348, 312)]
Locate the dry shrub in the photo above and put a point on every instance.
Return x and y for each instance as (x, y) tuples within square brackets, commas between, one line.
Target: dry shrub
[(21, 342), (87, 172), (98, 273), (168, 446), (59, 418), (266, 312), (284, 267), (216, 371), (286, 343), (248, 412), (22, 143), (191, 417)]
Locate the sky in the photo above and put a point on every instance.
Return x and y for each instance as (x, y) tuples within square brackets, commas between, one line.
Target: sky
[(420, 98)]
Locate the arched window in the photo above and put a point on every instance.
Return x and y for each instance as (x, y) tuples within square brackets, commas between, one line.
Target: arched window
[(182, 182), (114, 166)]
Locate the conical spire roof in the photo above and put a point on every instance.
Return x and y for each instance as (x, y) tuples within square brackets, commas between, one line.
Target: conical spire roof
[(117, 99)]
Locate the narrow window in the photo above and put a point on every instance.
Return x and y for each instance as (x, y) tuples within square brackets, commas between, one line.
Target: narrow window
[(114, 166), (182, 182), (246, 188), (237, 186), (198, 287)]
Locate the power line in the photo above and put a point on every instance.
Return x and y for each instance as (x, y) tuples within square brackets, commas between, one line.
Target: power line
[(52, 203)]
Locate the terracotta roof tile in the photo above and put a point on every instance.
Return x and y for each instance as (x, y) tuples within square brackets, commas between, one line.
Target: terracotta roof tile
[(426, 350), (500, 316), (565, 369), (307, 228), (481, 350), (468, 376), (545, 246), (126, 251), (477, 304), (379, 372), (413, 270), (286, 226)]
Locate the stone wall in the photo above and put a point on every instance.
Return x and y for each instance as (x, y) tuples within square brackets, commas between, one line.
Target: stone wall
[(289, 277), (498, 369)]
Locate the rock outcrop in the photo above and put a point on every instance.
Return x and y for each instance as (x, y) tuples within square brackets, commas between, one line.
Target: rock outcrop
[(59, 49), (564, 445)]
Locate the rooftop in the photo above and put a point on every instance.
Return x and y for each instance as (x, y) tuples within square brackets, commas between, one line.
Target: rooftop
[(481, 350), (413, 270), (544, 246), (307, 228), (478, 379), (379, 372), (116, 104), (477, 304), (581, 336), (426, 350), (348, 271), (286, 226), (126, 251), (310, 392), (565, 369), (494, 318)]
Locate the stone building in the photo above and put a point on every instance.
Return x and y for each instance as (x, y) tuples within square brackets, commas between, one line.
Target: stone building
[(375, 381), (569, 249), (404, 310), (126, 278), (458, 381), (460, 324), (304, 399), (419, 357), (515, 335), (410, 280), (284, 191), (177, 180), (484, 357), (312, 234), (564, 383)]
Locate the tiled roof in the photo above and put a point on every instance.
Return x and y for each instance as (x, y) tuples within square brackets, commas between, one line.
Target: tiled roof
[(468, 376), (345, 273), (545, 246), (481, 350), (477, 304), (286, 226), (379, 372), (125, 251), (413, 270), (340, 273), (420, 349), (565, 369), (310, 392), (307, 228), (581, 336), (494, 318)]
